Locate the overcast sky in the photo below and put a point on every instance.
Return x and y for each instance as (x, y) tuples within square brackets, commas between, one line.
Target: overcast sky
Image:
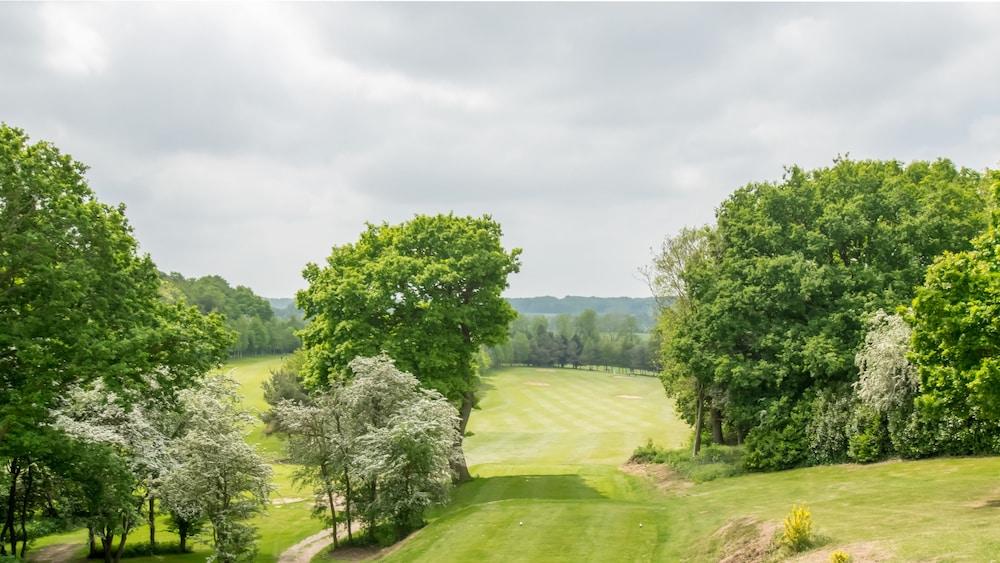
[(247, 140)]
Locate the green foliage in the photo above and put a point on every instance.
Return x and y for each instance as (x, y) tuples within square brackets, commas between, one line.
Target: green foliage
[(161, 548), (779, 297), (779, 440), (588, 339), (427, 292), (218, 477), (713, 462), (868, 438), (82, 310), (642, 308), (258, 329), (797, 534), (828, 428), (956, 328)]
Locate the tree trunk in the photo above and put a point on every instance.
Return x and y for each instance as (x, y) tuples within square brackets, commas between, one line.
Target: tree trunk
[(92, 543), (8, 526), (460, 466), (182, 533), (717, 426), (24, 510), (371, 524), (329, 497), (121, 546), (347, 504), (698, 421), (152, 525), (107, 538)]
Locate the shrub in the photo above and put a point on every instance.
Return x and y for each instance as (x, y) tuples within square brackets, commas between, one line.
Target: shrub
[(712, 463), (828, 429), (798, 529), (162, 548), (780, 441), (840, 557), (868, 437)]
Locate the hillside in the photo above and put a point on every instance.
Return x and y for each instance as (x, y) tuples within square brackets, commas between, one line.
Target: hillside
[(547, 445)]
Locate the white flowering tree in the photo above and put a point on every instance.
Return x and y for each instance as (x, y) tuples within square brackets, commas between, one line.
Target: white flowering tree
[(887, 379), (406, 443), (95, 415), (218, 477), (321, 439)]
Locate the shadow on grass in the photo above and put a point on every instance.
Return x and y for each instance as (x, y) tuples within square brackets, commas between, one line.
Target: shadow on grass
[(549, 487)]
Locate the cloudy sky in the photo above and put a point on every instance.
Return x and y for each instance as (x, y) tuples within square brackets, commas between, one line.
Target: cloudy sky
[(247, 140)]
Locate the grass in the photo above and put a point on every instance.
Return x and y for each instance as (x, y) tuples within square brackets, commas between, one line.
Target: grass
[(548, 487), (280, 526)]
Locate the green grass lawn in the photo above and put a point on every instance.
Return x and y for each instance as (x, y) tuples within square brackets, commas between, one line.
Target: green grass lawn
[(280, 526), (546, 445)]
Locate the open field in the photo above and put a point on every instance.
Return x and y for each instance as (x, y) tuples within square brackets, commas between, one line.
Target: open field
[(546, 445)]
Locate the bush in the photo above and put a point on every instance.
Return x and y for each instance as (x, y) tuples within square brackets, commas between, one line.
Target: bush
[(162, 548), (798, 529), (712, 463), (868, 436), (840, 557), (781, 440), (828, 429)]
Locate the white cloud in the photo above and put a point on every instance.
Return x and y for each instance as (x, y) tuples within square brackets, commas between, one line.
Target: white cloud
[(72, 46), (248, 139)]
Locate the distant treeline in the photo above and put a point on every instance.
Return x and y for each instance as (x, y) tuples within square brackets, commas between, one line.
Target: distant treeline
[(284, 307), (642, 308), (259, 330), (584, 340)]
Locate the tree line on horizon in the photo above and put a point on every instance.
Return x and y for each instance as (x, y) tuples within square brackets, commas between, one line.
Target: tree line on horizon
[(584, 340), (251, 317)]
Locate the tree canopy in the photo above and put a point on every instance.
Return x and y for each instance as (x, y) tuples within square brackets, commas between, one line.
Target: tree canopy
[(778, 306)]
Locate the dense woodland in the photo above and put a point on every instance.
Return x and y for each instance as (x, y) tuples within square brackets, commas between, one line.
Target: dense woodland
[(259, 330), (844, 313)]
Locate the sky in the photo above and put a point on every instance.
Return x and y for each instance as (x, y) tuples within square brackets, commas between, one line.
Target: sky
[(248, 139)]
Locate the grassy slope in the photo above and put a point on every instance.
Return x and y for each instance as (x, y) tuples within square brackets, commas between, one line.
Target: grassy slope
[(280, 526), (547, 457)]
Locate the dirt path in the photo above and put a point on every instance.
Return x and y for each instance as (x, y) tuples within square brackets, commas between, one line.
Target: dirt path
[(308, 548), (57, 553)]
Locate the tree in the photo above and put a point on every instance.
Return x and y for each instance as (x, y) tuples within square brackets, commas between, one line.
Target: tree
[(956, 326), (679, 256), (78, 304), (427, 292), (799, 265), (887, 380), (218, 477), (405, 443), (322, 438)]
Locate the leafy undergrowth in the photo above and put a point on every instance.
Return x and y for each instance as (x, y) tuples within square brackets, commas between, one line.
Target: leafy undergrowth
[(711, 463)]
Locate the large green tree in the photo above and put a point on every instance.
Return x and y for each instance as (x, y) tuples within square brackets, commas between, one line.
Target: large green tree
[(78, 304), (426, 291), (956, 327), (798, 265)]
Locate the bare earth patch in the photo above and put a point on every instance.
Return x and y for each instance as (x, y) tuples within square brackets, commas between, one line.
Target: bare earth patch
[(58, 553), (285, 500), (630, 397), (860, 551), (665, 478), (746, 540), (536, 384)]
